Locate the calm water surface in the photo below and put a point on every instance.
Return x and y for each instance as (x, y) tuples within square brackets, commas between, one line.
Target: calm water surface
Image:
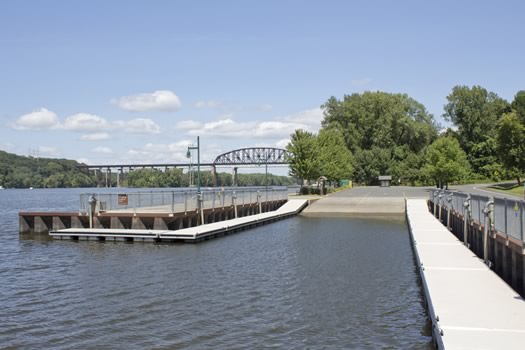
[(296, 284)]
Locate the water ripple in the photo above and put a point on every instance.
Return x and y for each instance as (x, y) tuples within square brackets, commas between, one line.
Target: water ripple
[(298, 283)]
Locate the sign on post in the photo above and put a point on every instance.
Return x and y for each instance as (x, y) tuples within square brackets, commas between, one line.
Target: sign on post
[(122, 199)]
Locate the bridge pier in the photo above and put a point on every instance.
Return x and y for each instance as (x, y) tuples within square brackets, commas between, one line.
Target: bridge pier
[(234, 176), (214, 175)]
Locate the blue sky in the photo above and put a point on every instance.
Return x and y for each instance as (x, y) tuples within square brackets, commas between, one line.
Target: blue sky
[(136, 81)]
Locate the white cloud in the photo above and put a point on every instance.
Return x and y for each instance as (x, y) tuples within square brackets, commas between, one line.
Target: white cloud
[(282, 143), (188, 125), (97, 126), (224, 127), (98, 136), (277, 129), (361, 82), (6, 146), (102, 150), (154, 152), (161, 100), (47, 151), (36, 120), (84, 122), (138, 126), (309, 120), (83, 161), (207, 104)]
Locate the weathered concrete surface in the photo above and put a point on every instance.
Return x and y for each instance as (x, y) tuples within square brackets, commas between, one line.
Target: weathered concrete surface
[(364, 201), (356, 206)]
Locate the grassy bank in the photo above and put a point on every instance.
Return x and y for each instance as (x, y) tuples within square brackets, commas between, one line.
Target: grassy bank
[(511, 189)]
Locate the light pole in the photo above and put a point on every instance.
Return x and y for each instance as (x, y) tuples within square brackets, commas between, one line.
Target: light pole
[(199, 195), (188, 155)]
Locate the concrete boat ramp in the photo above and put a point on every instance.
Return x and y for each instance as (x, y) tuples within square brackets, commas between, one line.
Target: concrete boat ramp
[(191, 234), (470, 306)]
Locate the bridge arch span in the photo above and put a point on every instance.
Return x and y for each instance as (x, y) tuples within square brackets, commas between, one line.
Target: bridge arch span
[(254, 156)]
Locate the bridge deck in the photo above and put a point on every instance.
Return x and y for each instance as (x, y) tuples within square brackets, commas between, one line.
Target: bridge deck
[(191, 234), (470, 306)]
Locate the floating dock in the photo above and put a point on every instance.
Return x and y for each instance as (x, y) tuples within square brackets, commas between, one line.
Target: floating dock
[(191, 234), (469, 305)]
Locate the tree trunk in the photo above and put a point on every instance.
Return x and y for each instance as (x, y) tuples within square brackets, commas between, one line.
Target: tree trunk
[(519, 181)]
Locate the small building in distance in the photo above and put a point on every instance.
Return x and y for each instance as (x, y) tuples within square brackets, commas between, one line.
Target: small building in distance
[(385, 180)]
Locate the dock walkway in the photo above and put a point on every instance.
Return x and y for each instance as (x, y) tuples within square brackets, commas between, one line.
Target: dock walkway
[(469, 305), (191, 234)]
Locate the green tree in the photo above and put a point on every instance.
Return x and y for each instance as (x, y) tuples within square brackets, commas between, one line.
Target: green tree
[(372, 163), (380, 119), (381, 130), (445, 161), (335, 160), (476, 111), (304, 163), (511, 143), (518, 105)]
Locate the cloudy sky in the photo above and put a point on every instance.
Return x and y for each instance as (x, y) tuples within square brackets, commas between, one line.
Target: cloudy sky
[(137, 81)]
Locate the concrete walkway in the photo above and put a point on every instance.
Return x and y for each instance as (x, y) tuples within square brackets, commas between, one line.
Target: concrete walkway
[(470, 306), (366, 201)]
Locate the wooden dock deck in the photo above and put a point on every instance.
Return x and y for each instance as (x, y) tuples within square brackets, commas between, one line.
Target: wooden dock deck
[(469, 305), (191, 234)]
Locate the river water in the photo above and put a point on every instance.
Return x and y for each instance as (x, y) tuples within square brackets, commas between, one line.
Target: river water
[(300, 283)]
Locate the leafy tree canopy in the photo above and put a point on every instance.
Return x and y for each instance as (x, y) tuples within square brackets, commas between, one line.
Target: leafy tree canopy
[(476, 111), (511, 143), (305, 163), (445, 161), (380, 119)]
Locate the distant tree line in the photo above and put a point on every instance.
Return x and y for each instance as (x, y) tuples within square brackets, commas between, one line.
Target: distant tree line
[(24, 172), (178, 178), (379, 133)]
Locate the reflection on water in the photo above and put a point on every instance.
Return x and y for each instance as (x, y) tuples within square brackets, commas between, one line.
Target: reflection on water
[(298, 283)]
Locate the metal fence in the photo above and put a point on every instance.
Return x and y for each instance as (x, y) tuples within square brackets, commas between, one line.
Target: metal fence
[(178, 200), (508, 215)]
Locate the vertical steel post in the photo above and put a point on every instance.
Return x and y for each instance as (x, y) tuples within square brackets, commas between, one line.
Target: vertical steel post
[(200, 198), (172, 202), (134, 204), (466, 219), (440, 196), (487, 223), (434, 195), (449, 209), (521, 220), (506, 229), (234, 201)]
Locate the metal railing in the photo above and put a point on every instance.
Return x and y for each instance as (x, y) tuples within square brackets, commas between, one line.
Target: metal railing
[(182, 200), (507, 215)]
